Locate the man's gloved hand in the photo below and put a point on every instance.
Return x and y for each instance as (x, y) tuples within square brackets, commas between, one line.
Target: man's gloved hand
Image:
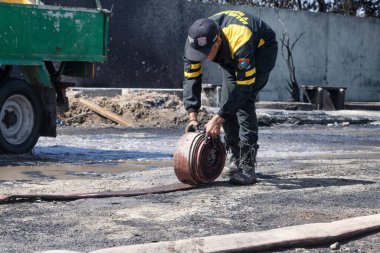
[(213, 126), (192, 126)]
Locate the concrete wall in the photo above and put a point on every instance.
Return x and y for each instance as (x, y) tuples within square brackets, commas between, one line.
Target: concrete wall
[(147, 38)]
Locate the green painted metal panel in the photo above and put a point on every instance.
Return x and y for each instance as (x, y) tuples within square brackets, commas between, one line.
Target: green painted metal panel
[(30, 34)]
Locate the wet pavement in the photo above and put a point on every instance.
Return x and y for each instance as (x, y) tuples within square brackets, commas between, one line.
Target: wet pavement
[(86, 152), (102, 152)]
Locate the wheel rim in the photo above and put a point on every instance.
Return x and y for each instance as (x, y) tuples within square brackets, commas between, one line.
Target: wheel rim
[(16, 119)]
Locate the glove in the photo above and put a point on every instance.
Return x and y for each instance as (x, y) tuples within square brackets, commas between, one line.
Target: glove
[(192, 126)]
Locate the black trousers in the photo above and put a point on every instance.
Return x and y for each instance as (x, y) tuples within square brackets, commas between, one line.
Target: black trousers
[(242, 128)]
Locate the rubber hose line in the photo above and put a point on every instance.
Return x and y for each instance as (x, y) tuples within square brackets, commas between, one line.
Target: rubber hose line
[(198, 159)]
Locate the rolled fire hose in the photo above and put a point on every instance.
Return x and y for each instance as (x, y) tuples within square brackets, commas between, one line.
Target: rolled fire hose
[(198, 159)]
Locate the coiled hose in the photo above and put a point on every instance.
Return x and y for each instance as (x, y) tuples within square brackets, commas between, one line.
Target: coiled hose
[(198, 159)]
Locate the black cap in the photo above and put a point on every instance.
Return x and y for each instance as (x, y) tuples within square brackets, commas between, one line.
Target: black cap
[(201, 36)]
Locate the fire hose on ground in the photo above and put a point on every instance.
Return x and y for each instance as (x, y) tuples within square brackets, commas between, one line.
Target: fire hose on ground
[(199, 159)]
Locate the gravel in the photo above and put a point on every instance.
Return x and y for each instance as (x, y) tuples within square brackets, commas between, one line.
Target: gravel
[(307, 174)]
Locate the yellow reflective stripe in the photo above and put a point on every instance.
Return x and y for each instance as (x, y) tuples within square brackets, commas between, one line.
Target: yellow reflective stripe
[(193, 74), (237, 36), (236, 14), (250, 72), (261, 43), (195, 66), (246, 82)]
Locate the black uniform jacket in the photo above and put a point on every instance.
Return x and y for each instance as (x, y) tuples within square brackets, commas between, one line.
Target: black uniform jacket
[(241, 35)]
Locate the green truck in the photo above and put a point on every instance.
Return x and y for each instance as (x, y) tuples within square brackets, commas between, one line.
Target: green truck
[(42, 44)]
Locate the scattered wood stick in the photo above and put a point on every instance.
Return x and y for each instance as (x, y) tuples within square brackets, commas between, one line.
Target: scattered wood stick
[(105, 113)]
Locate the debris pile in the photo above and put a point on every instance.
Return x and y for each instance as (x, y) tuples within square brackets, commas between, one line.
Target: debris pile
[(162, 110), (145, 109)]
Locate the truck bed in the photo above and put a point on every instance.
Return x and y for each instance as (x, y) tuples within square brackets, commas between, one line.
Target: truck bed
[(30, 34)]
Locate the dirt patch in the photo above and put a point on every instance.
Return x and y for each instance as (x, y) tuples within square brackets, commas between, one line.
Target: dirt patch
[(151, 109), (143, 109)]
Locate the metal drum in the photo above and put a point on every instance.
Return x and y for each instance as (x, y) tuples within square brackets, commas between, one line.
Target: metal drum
[(197, 160)]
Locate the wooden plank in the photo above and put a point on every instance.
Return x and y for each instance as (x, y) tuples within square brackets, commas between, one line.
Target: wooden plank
[(301, 235), (105, 113), (370, 106)]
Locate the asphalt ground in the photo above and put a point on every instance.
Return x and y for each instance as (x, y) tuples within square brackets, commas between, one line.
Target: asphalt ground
[(307, 174)]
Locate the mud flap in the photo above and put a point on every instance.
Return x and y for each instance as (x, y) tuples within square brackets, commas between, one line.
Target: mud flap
[(49, 127)]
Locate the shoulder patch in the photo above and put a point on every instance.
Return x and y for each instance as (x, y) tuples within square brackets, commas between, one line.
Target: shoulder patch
[(243, 63)]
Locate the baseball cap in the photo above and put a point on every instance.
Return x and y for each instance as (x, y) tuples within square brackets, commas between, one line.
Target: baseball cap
[(201, 36)]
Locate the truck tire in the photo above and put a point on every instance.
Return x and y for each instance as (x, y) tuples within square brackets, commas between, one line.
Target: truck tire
[(21, 116)]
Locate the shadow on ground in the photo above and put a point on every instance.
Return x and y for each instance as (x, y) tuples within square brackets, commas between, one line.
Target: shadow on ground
[(300, 183)]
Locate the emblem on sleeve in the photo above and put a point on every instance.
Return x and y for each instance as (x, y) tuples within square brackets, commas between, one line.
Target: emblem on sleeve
[(243, 63)]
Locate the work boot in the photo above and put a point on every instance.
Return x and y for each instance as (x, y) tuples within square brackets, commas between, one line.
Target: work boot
[(232, 167), (246, 170)]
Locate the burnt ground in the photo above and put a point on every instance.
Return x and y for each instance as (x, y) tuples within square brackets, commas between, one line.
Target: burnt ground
[(312, 167), (307, 174)]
